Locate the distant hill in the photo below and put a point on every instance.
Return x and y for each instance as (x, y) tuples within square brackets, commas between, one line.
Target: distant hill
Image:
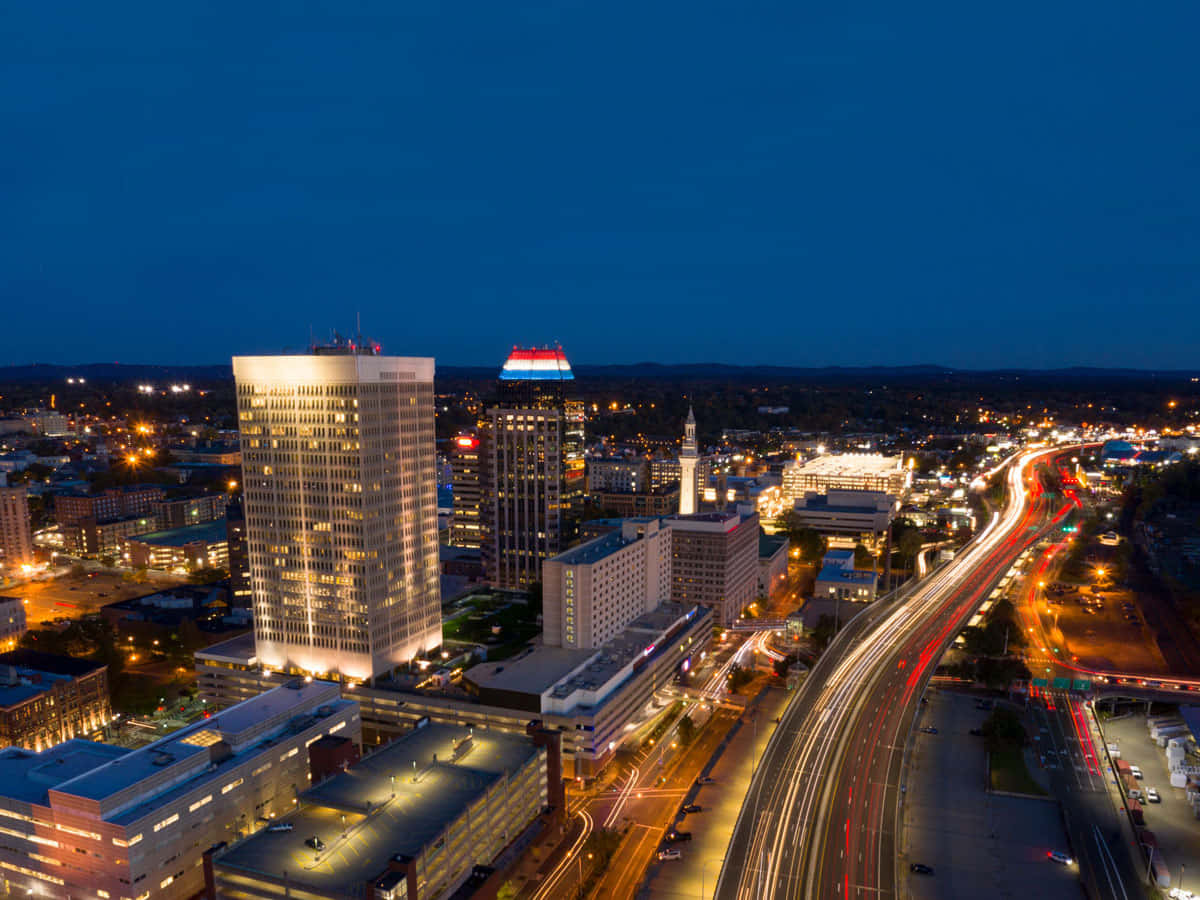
[(114, 372)]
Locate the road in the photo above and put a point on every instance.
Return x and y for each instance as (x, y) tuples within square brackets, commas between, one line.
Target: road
[(820, 817)]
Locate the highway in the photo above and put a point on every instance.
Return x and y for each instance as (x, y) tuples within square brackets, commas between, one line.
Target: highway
[(820, 817)]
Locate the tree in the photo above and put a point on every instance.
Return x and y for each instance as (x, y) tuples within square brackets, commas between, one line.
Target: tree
[(687, 730), (811, 544), (862, 557), (823, 632), (207, 575)]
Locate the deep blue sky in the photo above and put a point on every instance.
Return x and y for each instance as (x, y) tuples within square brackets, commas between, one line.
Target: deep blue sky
[(777, 182)]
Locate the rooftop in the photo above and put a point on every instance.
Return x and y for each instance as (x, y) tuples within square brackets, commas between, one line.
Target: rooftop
[(853, 576), (386, 812), (265, 718), (770, 544), (25, 674), (208, 532), (536, 365), (850, 464), (594, 550), (27, 776)]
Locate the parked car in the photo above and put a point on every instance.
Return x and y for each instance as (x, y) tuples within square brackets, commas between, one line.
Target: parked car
[(692, 808), (1057, 856), (929, 729), (315, 842), (921, 869), (706, 779), (281, 826), (669, 853), (674, 836), (1137, 772), (1152, 795)]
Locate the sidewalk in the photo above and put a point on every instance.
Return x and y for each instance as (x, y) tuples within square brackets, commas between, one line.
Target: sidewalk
[(732, 769)]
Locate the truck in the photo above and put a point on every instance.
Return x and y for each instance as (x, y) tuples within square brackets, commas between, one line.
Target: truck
[(1135, 812), (1159, 727), (1123, 768)]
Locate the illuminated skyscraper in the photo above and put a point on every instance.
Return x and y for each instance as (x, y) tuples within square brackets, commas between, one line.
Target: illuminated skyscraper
[(16, 539), (466, 478), (340, 500), (535, 483)]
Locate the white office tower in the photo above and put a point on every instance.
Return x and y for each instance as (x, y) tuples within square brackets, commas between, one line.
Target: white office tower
[(340, 482), (687, 467)]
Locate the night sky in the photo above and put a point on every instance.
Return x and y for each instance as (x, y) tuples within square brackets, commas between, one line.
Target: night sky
[(792, 183)]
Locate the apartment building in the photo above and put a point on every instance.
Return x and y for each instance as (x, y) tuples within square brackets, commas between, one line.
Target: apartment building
[(45, 699), (16, 538)]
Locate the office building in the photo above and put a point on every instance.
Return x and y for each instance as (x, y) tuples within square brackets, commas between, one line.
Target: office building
[(339, 492), (687, 467), (467, 484), (240, 596), (846, 471), (714, 561), (16, 538), (411, 821), (617, 475), (851, 514), (84, 819), (664, 474), (45, 699), (535, 466), (12, 622), (593, 591)]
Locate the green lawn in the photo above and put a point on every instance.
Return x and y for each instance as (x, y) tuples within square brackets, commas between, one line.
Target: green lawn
[(1008, 773)]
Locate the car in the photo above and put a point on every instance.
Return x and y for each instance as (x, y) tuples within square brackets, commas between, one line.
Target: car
[(1152, 795), (1057, 856), (1137, 772), (669, 853), (921, 869), (675, 836), (929, 729), (315, 842), (281, 826), (706, 779), (692, 808)]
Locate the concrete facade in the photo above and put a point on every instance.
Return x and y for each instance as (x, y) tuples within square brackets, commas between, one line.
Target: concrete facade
[(340, 499), (714, 561)]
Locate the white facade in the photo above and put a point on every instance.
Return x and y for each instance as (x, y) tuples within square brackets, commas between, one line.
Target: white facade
[(593, 591), (338, 466), (687, 467), (846, 471)]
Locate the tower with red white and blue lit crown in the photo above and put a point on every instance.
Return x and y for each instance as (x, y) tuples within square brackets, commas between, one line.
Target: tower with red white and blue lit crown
[(535, 466)]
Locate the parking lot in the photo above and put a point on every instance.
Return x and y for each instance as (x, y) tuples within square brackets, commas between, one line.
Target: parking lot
[(71, 596), (979, 844), (1175, 827), (1103, 628)]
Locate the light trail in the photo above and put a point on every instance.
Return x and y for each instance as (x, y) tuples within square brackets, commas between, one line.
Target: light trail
[(796, 786)]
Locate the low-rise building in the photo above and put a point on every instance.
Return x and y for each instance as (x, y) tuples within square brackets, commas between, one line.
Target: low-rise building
[(12, 621), (845, 512), (92, 820), (846, 471), (661, 502), (839, 580), (45, 699), (412, 820), (203, 546), (588, 695), (772, 564)]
